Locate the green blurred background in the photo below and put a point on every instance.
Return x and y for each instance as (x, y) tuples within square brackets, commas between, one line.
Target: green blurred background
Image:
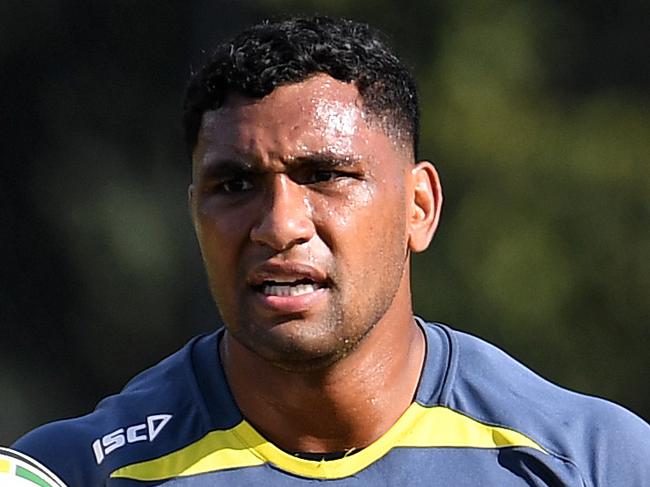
[(536, 112)]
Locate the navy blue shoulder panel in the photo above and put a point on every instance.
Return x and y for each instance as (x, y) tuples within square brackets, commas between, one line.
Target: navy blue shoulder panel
[(145, 420), (607, 444)]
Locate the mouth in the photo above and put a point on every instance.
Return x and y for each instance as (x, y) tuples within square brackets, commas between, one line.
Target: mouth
[(290, 288)]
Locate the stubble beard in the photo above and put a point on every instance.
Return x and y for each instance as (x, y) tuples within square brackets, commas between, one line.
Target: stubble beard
[(303, 344)]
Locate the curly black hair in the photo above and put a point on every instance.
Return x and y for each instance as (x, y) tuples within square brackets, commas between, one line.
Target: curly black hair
[(269, 55)]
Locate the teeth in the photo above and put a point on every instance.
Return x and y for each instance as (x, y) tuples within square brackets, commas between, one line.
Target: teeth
[(288, 289)]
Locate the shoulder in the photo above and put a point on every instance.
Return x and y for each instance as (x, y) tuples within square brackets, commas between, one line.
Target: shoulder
[(155, 410), (608, 444)]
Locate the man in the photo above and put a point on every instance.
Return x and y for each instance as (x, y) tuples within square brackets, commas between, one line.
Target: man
[(307, 203)]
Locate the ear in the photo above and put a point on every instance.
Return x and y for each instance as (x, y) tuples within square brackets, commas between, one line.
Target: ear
[(426, 204), (190, 201)]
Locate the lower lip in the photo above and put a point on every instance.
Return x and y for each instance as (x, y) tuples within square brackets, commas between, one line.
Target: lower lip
[(291, 304)]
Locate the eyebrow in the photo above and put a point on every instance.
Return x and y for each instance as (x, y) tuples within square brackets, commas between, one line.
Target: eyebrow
[(325, 160), (217, 168)]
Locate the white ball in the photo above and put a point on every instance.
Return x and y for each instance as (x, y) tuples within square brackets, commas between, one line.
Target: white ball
[(19, 470)]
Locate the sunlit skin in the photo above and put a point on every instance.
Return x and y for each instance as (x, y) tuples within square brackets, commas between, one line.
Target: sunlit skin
[(306, 211)]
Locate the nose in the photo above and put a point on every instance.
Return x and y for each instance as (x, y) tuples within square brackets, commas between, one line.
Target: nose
[(285, 220)]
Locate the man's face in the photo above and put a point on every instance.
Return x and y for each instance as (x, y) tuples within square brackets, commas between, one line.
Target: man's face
[(301, 213)]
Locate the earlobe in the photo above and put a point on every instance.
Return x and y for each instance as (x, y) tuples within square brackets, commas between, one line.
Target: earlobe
[(426, 204)]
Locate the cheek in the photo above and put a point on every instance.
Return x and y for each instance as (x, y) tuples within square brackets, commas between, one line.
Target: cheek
[(362, 223), (223, 223), (218, 243), (347, 212), (220, 238)]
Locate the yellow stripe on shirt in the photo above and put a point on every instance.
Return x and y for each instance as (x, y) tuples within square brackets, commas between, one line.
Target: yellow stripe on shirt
[(242, 446)]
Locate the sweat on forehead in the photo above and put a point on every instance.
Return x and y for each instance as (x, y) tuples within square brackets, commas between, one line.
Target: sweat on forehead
[(323, 107)]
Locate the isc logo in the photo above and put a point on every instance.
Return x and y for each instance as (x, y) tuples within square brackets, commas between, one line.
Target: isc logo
[(132, 434)]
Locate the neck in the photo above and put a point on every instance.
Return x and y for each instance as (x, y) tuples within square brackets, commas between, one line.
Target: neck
[(347, 405)]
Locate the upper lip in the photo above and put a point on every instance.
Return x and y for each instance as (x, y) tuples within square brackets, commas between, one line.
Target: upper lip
[(285, 271)]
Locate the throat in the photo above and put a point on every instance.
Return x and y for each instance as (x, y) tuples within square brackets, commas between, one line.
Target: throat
[(346, 407)]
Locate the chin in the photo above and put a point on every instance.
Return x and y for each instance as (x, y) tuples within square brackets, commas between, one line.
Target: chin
[(297, 346)]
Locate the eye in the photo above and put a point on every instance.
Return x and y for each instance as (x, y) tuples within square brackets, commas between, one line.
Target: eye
[(322, 177), (235, 185)]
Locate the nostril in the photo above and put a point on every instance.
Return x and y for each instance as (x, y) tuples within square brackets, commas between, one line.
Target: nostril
[(282, 230)]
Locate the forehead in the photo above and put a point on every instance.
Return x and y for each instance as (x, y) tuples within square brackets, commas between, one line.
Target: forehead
[(318, 97), (317, 115)]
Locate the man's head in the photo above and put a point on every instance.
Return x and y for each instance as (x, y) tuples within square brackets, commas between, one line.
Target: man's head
[(269, 55), (306, 206)]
